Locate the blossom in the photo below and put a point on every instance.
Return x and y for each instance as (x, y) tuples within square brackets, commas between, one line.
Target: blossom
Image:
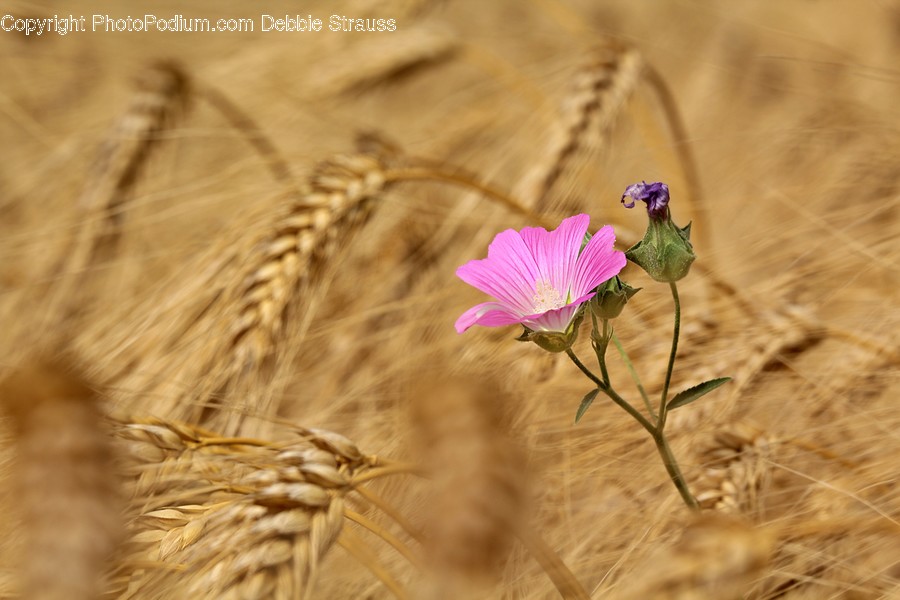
[(540, 278), (656, 195)]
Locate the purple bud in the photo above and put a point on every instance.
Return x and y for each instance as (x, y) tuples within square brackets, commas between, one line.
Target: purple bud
[(656, 195)]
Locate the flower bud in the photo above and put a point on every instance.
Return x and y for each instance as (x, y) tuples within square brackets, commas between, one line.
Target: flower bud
[(666, 252), (656, 195), (611, 298), (554, 341)]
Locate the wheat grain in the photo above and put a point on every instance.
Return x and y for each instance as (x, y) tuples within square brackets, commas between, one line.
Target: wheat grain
[(716, 557), (599, 91), (237, 335), (735, 470), (232, 518)]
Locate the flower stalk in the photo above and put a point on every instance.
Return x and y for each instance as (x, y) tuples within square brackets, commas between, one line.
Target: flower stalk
[(677, 330), (656, 430)]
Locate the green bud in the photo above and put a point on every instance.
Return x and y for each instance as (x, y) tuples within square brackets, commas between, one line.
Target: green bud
[(554, 341), (666, 252), (611, 298)]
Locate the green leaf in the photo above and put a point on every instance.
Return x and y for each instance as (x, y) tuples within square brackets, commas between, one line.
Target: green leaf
[(696, 392), (585, 403)]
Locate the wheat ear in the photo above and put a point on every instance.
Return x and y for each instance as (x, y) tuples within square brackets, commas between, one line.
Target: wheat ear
[(227, 517), (716, 557), (479, 492), (599, 91), (161, 97), (235, 333), (735, 469)]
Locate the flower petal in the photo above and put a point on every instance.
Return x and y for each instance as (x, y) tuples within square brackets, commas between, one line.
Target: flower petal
[(508, 273), (488, 314), (557, 319), (597, 262), (555, 252)]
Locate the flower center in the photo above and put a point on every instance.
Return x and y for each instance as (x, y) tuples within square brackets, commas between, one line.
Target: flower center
[(546, 297)]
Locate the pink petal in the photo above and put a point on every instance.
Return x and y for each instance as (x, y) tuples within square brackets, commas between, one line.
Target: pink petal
[(597, 262), (557, 319), (487, 314), (508, 273), (555, 252)]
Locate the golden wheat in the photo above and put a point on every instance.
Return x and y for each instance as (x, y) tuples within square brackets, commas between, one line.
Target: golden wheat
[(267, 296), (162, 95), (232, 517), (735, 470), (715, 557), (599, 91)]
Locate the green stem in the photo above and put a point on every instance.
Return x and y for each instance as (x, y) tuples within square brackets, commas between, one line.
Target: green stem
[(634, 376), (606, 389), (602, 356), (600, 352), (655, 431), (662, 445), (615, 397), (585, 370), (661, 421)]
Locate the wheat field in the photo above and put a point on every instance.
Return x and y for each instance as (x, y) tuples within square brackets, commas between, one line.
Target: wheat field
[(228, 366)]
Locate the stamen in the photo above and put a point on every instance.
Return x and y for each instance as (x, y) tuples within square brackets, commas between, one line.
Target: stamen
[(546, 297)]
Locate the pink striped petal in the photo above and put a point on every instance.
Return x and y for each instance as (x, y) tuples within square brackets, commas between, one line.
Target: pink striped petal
[(508, 273), (556, 252), (488, 314), (597, 262), (557, 319)]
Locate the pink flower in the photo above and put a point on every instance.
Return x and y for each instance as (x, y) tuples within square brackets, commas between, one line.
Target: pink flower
[(539, 278)]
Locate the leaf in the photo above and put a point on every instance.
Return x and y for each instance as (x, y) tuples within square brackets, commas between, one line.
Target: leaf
[(696, 392), (585, 403)]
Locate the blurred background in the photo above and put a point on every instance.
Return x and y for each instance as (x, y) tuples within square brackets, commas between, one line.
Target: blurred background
[(210, 238)]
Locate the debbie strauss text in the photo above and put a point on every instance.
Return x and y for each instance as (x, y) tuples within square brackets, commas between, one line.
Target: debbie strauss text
[(334, 23)]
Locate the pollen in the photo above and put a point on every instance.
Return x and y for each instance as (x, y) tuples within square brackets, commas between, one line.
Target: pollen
[(546, 297)]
